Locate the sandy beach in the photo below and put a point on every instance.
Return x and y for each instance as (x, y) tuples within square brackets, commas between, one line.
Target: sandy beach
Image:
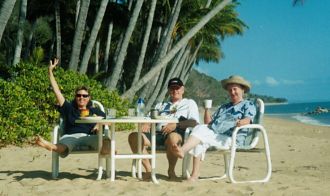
[(300, 157)]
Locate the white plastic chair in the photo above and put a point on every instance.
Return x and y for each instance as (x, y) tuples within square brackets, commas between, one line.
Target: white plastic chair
[(57, 133), (250, 146)]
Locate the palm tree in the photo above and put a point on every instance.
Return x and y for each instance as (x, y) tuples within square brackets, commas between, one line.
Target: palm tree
[(145, 42), (58, 30), (93, 36), (78, 36), (5, 13), (181, 43), (19, 39), (116, 74)]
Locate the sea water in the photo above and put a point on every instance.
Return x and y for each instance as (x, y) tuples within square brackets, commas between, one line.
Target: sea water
[(302, 112)]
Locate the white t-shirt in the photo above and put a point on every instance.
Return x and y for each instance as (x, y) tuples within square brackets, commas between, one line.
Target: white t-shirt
[(186, 108)]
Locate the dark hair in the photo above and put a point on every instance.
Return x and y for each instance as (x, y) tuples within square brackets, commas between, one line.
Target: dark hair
[(85, 88)]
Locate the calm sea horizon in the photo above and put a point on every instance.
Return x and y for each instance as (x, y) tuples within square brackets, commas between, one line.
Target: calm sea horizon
[(302, 112)]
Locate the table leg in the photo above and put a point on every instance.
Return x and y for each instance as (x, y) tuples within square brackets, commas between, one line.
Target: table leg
[(112, 153), (153, 153), (100, 141), (139, 168)]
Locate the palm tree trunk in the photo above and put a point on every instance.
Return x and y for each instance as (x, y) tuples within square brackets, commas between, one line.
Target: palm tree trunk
[(93, 37), (113, 79), (58, 31), (107, 48), (164, 90), (167, 35), (78, 36), (155, 92), (5, 13), (97, 54), (184, 40), (19, 39), (145, 42), (186, 71)]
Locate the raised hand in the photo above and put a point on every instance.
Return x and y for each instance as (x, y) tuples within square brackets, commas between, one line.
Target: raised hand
[(53, 63)]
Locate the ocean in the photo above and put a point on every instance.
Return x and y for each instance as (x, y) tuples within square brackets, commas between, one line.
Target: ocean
[(302, 112)]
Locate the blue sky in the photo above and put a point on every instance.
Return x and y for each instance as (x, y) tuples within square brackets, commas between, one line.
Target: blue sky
[(285, 52)]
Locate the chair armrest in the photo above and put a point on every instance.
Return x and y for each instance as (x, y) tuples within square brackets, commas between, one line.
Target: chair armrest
[(248, 126)]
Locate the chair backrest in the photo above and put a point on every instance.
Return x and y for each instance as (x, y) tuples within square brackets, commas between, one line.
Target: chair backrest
[(253, 134)]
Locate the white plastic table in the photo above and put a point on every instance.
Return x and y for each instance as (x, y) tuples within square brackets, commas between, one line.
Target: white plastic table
[(139, 155)]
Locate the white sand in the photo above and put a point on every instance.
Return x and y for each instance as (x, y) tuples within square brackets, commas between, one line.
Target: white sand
[(300, 157)]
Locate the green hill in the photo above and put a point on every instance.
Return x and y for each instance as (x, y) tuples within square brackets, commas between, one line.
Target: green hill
[(201, 86)]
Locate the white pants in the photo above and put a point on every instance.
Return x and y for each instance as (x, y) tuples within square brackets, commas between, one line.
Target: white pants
[(208, 139)]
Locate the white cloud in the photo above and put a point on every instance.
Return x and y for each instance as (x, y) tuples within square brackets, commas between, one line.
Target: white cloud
[(271, 81)]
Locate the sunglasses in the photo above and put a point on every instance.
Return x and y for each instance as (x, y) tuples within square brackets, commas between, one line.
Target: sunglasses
[(82, 95)]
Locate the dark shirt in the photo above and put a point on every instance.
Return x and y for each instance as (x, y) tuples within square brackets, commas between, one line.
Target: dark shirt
[(70, 113)]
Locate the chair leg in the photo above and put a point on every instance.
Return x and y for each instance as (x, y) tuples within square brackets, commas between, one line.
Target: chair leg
[(186, 165), (107, 166), (267, 154), (134, 168), (55, 165)]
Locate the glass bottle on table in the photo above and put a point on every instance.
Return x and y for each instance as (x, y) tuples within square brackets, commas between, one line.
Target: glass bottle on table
[(140, 108)]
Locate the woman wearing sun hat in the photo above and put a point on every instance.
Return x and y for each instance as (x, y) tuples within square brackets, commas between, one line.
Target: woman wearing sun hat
[(217, 130)]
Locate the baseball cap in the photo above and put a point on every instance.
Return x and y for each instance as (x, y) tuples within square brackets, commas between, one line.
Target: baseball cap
[(175, 82)]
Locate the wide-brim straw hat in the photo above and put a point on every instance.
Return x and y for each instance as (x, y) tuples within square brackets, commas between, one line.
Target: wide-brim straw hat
[(236, 80)]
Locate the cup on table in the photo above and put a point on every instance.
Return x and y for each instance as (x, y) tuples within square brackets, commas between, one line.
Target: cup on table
[(208, 103), (154, 113), (111, 113)]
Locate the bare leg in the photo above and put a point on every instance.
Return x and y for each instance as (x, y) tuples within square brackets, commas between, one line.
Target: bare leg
[(59, 148), (105, 146), (172, 139), (133, 143), (180, 151), (195, 171)]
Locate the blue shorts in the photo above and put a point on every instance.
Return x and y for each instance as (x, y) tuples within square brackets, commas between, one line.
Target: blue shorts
[(82, 140)]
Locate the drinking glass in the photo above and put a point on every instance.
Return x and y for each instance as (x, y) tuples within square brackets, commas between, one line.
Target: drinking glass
[(111, 113)]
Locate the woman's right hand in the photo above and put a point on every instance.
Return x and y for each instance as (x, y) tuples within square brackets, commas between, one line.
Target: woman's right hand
[(52, 64)]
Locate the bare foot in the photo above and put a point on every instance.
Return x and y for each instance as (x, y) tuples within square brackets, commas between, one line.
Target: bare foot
[(105, 147), (172, 176), (45, 144), (177, 151), (192, 179)]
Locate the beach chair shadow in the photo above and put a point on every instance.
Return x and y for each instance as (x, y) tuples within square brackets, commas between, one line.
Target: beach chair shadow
[(255, 130), (58, 132)]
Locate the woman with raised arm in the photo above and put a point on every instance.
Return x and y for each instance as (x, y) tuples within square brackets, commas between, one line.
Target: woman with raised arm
[(74, 134)]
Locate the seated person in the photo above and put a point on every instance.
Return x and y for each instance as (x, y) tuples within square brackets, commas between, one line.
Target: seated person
[(185, 110), (74, 134), (216, 133)]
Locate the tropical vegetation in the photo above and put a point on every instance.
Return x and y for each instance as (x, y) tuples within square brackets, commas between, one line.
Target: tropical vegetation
[(124, 48)]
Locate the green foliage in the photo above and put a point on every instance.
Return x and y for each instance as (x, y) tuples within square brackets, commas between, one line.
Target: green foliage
[(28, 102), (37, 55), (19, 115)]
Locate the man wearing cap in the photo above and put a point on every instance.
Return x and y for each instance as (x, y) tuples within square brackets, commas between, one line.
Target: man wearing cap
[(185, 110), (217, 130)]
